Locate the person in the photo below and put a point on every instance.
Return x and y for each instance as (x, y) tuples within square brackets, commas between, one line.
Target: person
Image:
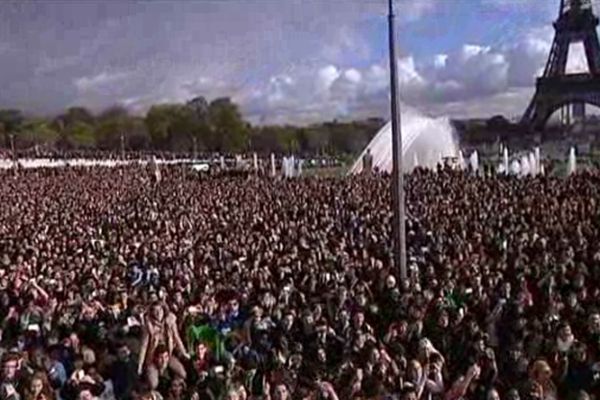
[(161, 331), (11, 379), (38, 388), (123, 373), (541, 378), (159, 375), (281, 392)]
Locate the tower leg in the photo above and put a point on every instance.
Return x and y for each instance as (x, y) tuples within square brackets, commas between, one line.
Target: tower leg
[(592, 52)]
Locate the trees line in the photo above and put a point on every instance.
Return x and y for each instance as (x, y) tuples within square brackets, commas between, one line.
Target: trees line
[(196, 126)]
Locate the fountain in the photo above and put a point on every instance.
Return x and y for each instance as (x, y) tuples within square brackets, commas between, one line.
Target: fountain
[(292, 172), (273, 166), (505, 160), (515, 167), (525, 167), (461, 160), (288, 167), (572, 163), (422, 136), (474, 161), (533, 164), (538, 161), (285, 167)]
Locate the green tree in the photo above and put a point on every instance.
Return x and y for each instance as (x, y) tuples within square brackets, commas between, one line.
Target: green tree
[(137, 137), (199, 107), (10, 123), (75, 128), (158, 122), (78, 114), (80, 135), (116, 128), (200, 129), (172, 126), (229, 131), (313, 140), (110, 127), (266, 139), (38, 132)]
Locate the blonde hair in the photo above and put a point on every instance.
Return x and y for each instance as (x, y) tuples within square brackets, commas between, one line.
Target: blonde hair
[(538, 368)]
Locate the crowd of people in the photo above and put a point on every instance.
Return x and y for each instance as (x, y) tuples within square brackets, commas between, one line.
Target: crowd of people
[(113, 286), (104, 155)]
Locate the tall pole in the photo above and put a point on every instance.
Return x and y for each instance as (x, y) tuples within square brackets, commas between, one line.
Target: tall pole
[(15, 159), (399, 227), (12, 146), (195, 148), (122, 146)]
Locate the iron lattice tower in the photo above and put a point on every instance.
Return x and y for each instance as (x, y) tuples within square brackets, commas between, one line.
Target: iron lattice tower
[(576, 23)]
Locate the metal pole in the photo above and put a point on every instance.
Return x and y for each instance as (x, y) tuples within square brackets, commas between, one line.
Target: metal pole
[(195, 148), (122, 146), (399, 227), (12, 146), (15, 162)]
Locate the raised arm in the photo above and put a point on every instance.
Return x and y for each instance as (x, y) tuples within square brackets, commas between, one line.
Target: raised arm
[(172, 324), (435, 385), (40, 291), (143, 350)]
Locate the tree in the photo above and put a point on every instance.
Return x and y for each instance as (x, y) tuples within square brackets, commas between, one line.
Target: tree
[(137, 137), (157, 121), (215, 126), (313, 140), (10, 123), (172, 126), (116, 127), (80, 135), (110, 127), (75, 128), (200, 130), (78, 114), (267, 139), (229, 130), (38, 132), (113, 113), (199, 107)]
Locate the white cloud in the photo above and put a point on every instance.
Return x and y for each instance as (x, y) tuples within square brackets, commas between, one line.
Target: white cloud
[(440, 60), (407, 72), (548, 8), (326, 76), (475, 80), (98, 81), (510, 103), (414, 10), (353, 75), (290, 61), (528, 56)]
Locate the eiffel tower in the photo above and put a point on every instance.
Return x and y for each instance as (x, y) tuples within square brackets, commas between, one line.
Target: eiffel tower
[(556, 89)]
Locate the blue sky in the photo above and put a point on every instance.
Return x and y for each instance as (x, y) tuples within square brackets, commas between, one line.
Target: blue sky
[(283, 61)]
